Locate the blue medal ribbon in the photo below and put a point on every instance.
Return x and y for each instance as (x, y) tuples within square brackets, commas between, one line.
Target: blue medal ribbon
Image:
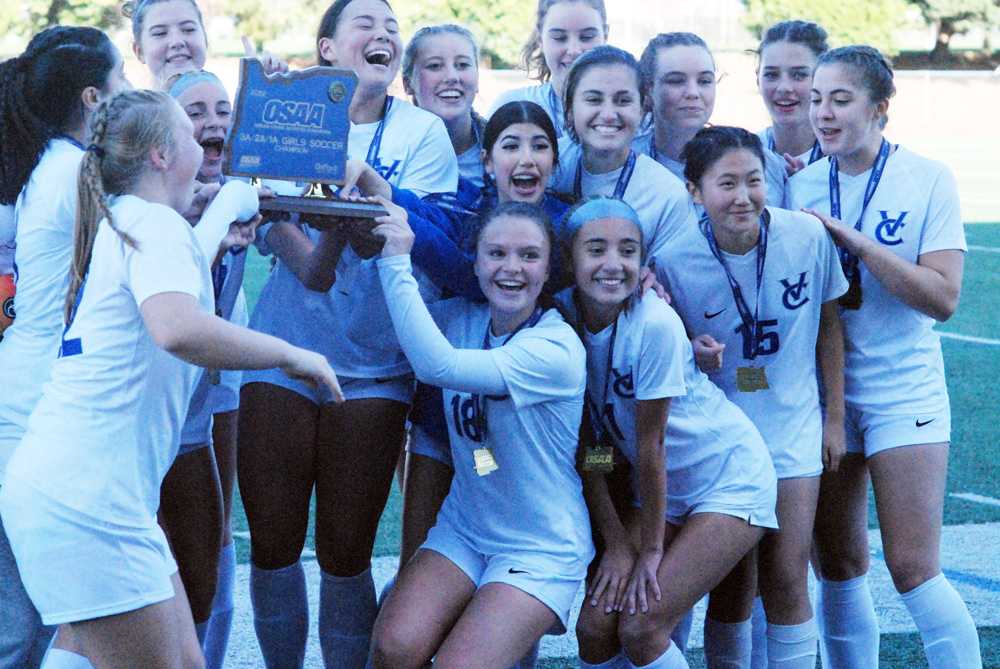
[(559, 119), (750, 329), (594, 409), (624, 177), (376, 143), (848, 261), (479, 401)]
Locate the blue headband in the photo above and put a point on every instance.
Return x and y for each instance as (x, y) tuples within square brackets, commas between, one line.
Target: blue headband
[(598, 208), (189, 79)]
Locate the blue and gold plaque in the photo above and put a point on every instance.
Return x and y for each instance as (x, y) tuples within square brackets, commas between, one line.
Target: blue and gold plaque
[(293, 127)]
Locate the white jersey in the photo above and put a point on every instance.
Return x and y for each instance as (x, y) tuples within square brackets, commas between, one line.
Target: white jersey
[(45, 216), (543, 95), (651, 358), (659, 198), (801, 272), (893, 362), (7, 243), (470, 162), (415, 154), (534, 501), (775, 175), (108, 425)]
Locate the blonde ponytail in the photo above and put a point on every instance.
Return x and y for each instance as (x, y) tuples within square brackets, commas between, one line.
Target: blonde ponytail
[(123, 130)]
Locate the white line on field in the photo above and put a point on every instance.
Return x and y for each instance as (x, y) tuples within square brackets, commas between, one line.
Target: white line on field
[(973, 497), (967, 338), (985, 249)]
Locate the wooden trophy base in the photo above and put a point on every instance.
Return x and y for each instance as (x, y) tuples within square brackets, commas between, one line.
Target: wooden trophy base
[(322, 211)]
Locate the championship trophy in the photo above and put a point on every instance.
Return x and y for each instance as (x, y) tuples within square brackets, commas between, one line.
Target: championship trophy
[(292, 129)]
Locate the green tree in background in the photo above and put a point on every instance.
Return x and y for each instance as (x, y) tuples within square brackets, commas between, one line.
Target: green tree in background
[(27, 17), (847, 21), (952, 17)]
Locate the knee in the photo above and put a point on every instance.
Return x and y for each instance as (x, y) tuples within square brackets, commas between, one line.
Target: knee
[(396, 648), (911, 570), (843, 564), (594, 629), (641, 632)]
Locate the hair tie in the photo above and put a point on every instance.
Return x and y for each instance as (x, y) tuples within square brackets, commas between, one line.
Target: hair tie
[(96, 150), (597, 208), (189, 79)]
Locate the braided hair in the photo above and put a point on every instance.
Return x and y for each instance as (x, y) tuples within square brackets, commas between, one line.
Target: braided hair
[(40, 96), (123, 131)]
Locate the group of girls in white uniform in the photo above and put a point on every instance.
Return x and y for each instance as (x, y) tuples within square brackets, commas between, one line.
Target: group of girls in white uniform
[(569, 429)]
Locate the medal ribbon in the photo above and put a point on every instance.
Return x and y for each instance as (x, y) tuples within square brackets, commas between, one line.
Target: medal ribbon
[(594, 409), (479, 401), (624, 177), (555, 105), (847, 260), (376, 143), (749, 320)]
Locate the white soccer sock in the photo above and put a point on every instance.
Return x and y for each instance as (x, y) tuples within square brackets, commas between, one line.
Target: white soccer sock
[(347, 610), (280, 614), (849, 634), (727, 645), (617, 662), (758, 622), (792, 646), (221, 622), (946, 628), (56, 658), (672, 658)]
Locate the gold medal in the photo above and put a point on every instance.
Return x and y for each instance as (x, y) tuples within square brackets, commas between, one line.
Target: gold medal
[(599, 459), (751, 379), (484, 461)]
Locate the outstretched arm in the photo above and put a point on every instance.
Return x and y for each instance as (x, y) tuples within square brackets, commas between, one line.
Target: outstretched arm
[(434, 360)]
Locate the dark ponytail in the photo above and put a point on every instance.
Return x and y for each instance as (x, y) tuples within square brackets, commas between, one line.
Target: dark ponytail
[(40, 96)]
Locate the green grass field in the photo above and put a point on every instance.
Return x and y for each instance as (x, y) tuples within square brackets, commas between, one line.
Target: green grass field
[(972, 368)]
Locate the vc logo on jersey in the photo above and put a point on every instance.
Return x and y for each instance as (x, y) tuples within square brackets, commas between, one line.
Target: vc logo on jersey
[(387, 171), (623, 385), (888, 229), (793, 297)]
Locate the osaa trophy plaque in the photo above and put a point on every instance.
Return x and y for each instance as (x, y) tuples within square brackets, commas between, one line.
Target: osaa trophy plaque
[(293, 128)]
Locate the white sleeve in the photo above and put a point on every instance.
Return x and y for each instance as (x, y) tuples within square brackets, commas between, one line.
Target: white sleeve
[(167, 259), (434, 360), (660, 369), (540, 367), (678, 215), (235, 201), (433, 167), (943, 229)]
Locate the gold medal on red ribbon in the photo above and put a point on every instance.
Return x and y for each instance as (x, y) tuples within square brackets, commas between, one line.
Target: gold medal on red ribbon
[(485, 463), (599, 459), (751, 379)]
